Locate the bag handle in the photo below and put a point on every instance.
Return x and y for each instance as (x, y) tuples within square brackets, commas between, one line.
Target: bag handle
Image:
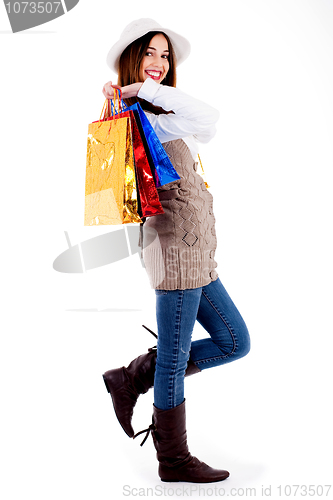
[(112, 107), (109, 109), (203, 173)]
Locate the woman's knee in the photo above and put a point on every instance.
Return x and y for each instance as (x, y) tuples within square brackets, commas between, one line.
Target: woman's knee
[(244, 342)]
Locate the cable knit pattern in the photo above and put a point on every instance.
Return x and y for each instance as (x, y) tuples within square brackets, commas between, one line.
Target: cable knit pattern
[(186, 230)]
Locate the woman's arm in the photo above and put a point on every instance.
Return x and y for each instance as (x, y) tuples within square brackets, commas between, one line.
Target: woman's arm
[(192, 117)]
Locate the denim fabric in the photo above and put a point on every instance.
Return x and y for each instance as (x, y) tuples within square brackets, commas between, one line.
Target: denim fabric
[(176, 313)]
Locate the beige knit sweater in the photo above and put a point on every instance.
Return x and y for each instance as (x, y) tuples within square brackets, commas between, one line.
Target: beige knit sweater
[(183, 255)]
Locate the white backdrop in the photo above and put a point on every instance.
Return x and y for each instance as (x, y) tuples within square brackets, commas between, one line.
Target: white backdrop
[(267, 66)]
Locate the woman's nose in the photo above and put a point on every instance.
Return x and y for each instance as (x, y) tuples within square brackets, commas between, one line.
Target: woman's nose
[(157, 62)]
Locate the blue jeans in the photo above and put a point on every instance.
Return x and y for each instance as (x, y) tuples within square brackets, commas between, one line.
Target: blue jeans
[(176, 312)]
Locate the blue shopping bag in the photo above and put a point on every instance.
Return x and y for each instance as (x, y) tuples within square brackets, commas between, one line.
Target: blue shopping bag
[(155, 152)]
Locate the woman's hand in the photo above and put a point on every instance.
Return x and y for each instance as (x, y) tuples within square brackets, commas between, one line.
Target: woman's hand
[(108, 90), (127, 91)]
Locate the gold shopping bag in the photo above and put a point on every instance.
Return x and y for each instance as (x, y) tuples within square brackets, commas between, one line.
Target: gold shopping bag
[(110, 187)]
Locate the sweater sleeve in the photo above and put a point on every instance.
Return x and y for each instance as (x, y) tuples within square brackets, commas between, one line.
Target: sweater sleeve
[(191, 116)]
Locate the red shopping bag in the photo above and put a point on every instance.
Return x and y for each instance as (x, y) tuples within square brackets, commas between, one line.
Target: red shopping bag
[(146, 180)]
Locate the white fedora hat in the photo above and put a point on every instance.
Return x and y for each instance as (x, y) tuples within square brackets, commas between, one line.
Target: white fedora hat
[(137, 29)]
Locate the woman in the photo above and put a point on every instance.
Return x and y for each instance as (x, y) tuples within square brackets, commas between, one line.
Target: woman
[(183, 274)]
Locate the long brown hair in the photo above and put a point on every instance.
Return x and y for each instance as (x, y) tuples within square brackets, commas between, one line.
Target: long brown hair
[(130, 64)]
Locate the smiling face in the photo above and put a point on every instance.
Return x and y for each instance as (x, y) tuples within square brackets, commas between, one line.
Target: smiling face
[(155, 63)]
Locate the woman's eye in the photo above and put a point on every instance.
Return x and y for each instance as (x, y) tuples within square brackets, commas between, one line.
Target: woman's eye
[(165, 56)]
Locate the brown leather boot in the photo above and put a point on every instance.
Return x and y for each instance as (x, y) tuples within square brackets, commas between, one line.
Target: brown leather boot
[(126, 384), (175, 461)]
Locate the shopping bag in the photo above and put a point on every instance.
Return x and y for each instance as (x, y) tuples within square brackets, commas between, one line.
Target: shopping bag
[(159, 161), (155, 152), (148, 202), (111, 188), (146, 178)]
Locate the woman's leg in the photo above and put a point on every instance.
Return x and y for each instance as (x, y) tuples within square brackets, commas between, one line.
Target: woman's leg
[(229, 337), (176, 312)]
